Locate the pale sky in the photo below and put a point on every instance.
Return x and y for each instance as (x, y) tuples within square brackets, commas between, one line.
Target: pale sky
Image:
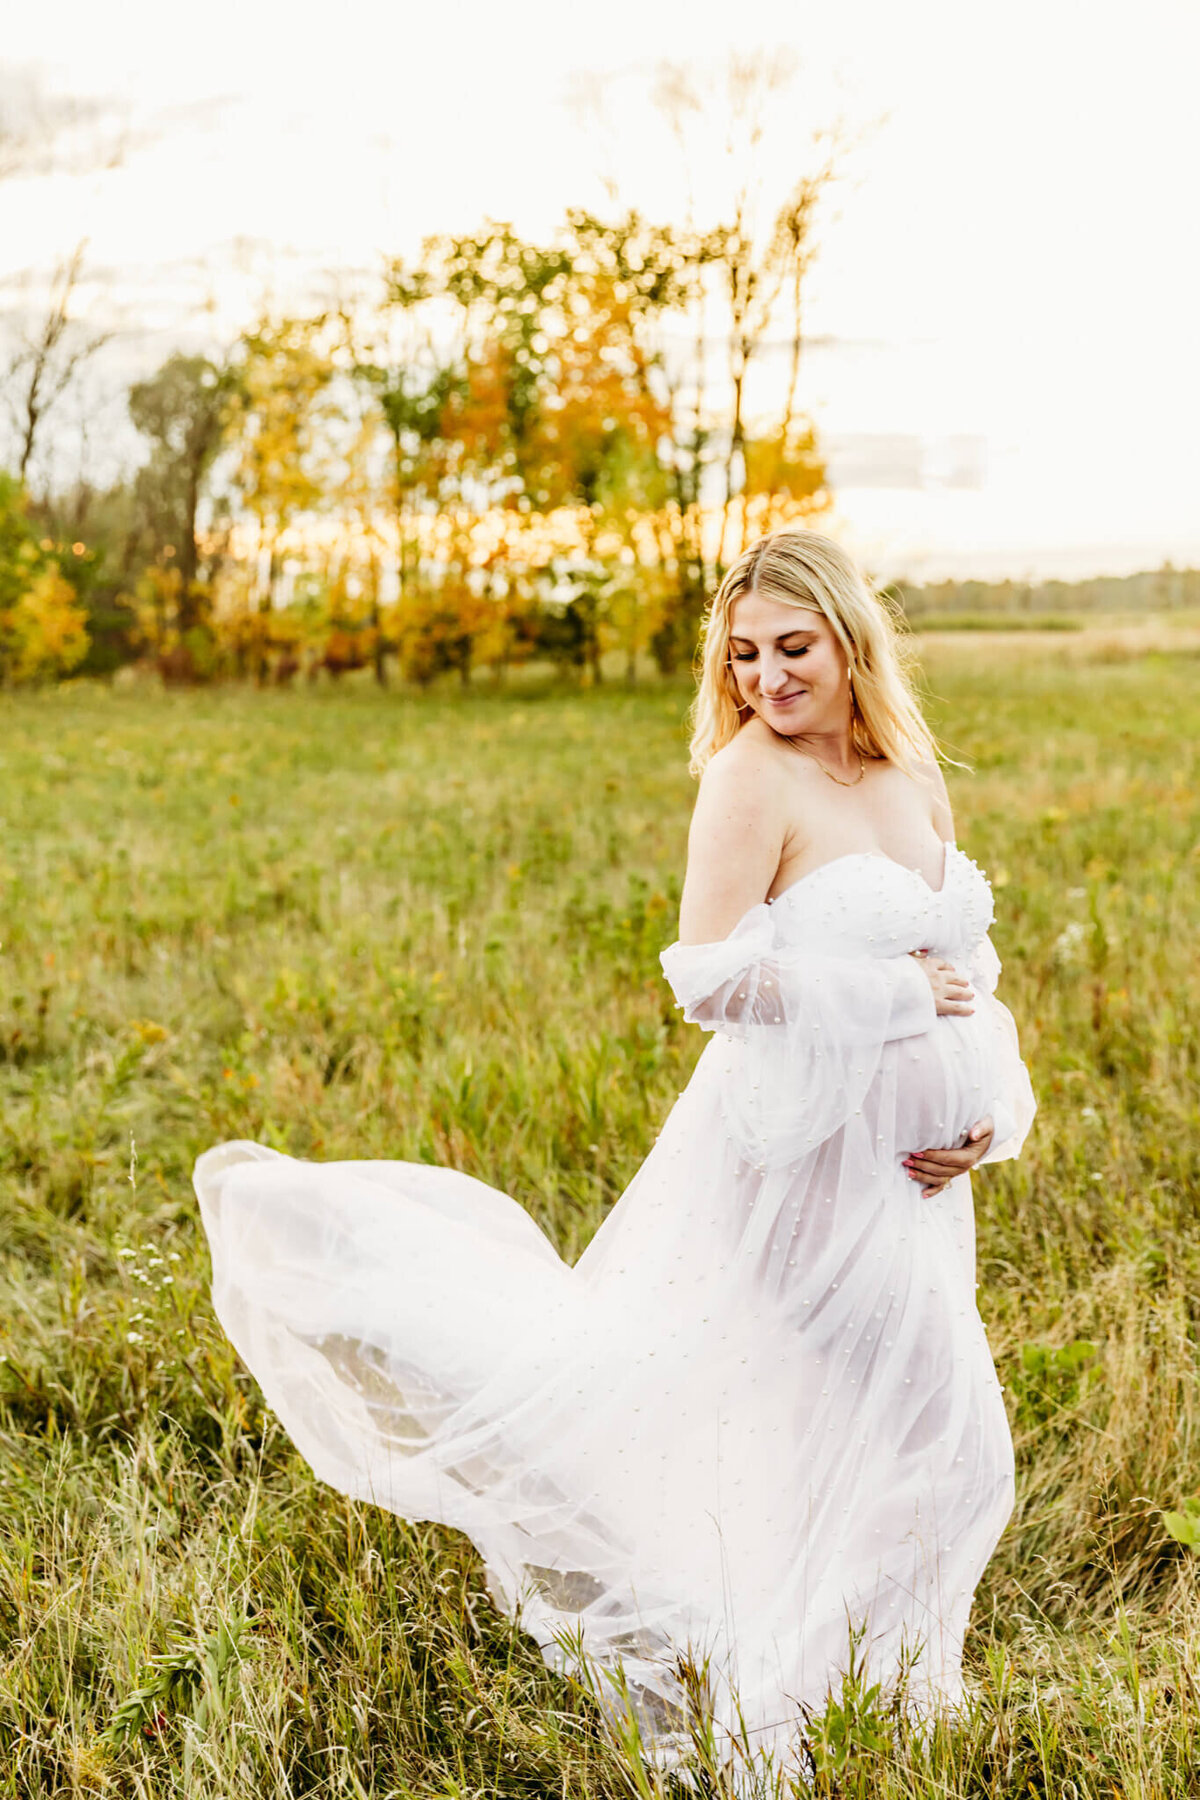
[(1011, 258)]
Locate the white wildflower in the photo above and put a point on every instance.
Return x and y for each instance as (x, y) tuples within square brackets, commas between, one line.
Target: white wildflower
[(1069, 941)]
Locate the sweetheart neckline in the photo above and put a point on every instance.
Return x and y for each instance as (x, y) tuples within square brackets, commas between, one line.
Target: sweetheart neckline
[(880, 856)]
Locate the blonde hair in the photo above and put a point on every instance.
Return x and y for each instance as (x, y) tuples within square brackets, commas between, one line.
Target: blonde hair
[(811, 572)]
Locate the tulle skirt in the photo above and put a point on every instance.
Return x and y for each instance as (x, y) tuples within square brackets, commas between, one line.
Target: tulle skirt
[(756, 1426)]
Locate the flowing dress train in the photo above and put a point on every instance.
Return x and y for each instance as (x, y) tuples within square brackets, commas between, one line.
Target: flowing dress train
[(758, 1420)]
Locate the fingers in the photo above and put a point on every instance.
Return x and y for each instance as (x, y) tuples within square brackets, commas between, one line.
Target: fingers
[(939, 1167), (936, 1175), (928, 1171), (931, 1185), (954, 991), (945, 1164)]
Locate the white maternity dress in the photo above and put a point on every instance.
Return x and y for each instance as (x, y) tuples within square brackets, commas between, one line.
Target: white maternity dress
[(759, 1416)]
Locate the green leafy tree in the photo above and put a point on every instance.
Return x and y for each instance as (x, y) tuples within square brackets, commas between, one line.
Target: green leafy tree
[(183, 410)]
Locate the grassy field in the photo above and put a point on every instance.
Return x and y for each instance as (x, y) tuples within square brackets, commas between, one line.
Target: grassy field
[(353, 924)]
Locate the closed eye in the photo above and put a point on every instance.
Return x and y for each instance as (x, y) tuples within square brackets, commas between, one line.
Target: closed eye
[(749, 655)]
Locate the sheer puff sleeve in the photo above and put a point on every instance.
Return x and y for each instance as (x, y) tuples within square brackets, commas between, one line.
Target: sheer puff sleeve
[(804, 1031), (1013, 1104)]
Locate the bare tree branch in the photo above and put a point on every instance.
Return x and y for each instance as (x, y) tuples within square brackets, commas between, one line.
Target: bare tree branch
[(48, 360)]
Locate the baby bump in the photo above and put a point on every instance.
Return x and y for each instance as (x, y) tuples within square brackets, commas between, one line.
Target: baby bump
[(936, 1085)]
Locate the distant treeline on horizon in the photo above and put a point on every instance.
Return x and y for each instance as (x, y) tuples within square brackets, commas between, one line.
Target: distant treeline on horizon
[(1165, 589)]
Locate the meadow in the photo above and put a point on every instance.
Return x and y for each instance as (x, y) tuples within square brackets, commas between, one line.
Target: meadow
[(359, 924)]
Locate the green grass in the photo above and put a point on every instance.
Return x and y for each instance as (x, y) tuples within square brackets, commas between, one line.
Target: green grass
[(361, 925)]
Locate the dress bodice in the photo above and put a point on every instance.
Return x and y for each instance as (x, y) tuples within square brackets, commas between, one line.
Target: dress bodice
[(869, 904)]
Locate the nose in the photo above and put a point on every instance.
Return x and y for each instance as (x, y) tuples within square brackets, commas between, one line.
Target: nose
[(773, 677)]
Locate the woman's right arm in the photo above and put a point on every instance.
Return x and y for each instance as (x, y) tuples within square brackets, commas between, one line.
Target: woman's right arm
[(735, 843), (812, 1026), (727, 970)]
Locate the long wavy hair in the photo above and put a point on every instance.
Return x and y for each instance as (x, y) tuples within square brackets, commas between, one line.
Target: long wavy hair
[(813, 573)]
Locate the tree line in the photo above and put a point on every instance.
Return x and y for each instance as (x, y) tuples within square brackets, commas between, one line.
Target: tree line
[(509, 450), (506, 451)]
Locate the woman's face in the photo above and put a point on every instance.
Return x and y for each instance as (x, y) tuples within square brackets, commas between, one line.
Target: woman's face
[(788, 665)]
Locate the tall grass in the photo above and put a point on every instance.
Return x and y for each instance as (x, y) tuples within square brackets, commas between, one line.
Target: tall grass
[(361, 925)]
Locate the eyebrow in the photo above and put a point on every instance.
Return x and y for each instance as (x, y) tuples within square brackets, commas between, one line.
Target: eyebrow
[(800, 631)]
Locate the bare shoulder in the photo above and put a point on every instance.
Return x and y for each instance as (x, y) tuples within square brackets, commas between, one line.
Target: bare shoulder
[(744, 773), (755, 748), (736, 837)]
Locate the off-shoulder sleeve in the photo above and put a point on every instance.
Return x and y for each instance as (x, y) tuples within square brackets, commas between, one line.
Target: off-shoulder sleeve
[(747, 979), (806, 1031), (1013, 1104)]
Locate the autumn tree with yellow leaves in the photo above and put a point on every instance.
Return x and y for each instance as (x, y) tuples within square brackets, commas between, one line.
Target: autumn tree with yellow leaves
[(43, 626), (558, 397), (512, 449), (277, 411)]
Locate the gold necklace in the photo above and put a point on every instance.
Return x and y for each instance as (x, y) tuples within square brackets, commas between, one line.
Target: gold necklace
[(862, 767)]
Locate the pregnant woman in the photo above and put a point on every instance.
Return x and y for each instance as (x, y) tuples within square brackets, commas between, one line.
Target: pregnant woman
[(757, 1425)]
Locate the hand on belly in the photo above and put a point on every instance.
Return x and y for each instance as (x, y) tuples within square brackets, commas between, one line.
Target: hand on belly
[(937, 1167), (944, 1085)]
